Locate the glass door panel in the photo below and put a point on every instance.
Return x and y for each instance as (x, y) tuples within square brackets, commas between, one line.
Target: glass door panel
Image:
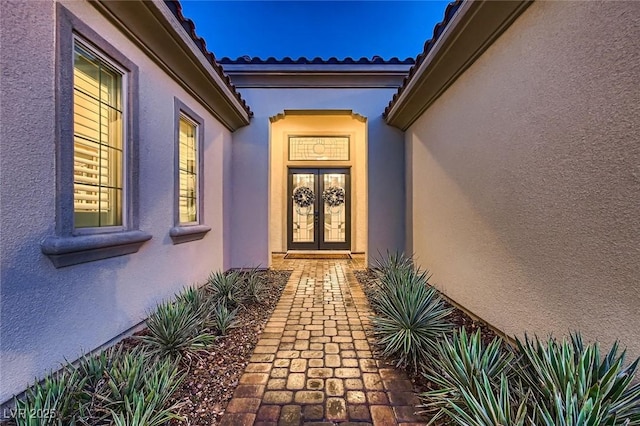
[(319, 216), (303, 206), (335, 213)]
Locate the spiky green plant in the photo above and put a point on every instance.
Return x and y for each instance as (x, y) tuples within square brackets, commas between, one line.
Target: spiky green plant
[(486, 404), (254, 286), (459, 360), (141, 410), (126, 374), (572, 384), (391, 262), (175, 329), (52, 402), (226, 288), (196, 298), (410, 317), (134, 374), (223, 318), (102, 387), (94, 369)]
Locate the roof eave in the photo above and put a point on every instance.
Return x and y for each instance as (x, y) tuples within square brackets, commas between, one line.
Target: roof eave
[(473, 28), (154, 29), (317, 75)]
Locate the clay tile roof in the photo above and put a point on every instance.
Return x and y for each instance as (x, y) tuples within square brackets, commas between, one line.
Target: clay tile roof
[(190, 28), (242, 60), (451, 10)]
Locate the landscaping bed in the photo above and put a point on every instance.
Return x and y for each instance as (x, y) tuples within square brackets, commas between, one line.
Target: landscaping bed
[(213, 377), (458, 317), (467, 375), (182, 369)]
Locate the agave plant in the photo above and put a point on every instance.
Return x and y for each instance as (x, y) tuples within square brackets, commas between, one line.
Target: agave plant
[(94, 369), (573, 385), (410, 317), (223, 318), (254, 286), (196, 298), (141, 410), (226, 288), (176, 329), (52, 402), (485, 404), (391, 262), (135, 382), (458, 363)]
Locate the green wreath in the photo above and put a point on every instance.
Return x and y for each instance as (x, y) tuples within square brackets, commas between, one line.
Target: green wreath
[(333, 196), (303, 196)]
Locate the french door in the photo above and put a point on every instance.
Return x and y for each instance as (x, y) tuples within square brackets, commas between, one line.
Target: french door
[(319, 209)]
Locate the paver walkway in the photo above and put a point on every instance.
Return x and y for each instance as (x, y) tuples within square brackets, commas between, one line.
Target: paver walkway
[(313, 364)]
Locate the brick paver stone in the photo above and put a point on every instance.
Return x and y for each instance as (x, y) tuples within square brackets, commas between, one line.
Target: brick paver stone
[(314, 365)]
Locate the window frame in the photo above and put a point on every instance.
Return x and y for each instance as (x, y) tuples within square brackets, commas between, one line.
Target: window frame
[(89, 230), (183, 232), (70, 245)]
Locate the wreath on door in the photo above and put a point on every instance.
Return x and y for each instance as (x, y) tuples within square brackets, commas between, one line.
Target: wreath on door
[(334, 196), (303, 196)]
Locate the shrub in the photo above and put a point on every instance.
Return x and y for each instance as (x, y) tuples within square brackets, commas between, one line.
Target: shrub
[(572, 385), (102, 389), (226, 288), (176, 329), (223, 318), (197, 299), (458, 365), (410, 317), (486, 404), (142, 411), (254, 286), (139, 387), (391, 262), (54, 401)]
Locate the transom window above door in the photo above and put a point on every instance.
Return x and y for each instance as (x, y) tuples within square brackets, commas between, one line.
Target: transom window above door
[(318, 148)]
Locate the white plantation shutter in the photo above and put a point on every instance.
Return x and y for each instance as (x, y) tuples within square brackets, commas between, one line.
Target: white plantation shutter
[(98, 134)]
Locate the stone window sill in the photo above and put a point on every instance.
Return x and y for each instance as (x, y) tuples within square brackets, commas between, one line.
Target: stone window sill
[(184, 234), (67, 251)]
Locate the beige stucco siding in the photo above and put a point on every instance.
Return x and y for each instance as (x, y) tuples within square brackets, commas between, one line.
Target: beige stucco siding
[(524, 176), (48, 314)]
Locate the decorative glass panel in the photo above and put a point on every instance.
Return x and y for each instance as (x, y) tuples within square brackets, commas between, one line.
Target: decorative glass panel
[(319, 148), (334, 198), (303, 199), (98, 137), (188, 165)]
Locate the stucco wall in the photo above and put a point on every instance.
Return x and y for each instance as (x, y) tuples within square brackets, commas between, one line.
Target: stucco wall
[(250, 168), (525, 176), (50, 314)]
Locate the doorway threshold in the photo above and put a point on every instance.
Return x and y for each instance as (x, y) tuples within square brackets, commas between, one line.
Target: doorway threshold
[(318, 254)]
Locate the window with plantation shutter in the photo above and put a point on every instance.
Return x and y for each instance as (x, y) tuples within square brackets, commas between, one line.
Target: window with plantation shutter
[(189, 176), (188, 171), (98, 135), (97, 148)]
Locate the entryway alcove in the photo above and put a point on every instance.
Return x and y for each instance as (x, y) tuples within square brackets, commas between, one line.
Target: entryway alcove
[(318, 182)]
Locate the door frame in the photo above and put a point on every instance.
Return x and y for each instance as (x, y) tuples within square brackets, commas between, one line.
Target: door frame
[(319, 213)]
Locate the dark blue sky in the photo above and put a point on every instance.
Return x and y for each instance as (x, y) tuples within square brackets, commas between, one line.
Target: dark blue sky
[(315, 28)]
